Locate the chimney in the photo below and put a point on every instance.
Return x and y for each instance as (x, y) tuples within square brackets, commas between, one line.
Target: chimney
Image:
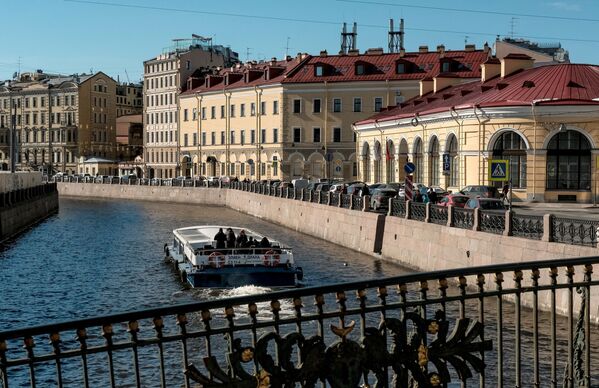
[(402, 52), (442, 81), (486, 47), (470, 47), (423, 49), (273, 61), (353, 52), (323, 53), (511, 63), (426, 86), (489, 69), (288, 58), (375, 51), (441, 49)]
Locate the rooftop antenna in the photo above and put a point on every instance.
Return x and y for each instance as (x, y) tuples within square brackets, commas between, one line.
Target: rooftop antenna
[(513, 23), (466, 39), (247, 53), (19, 67), (396, 37), (287, 48), (348, 39), (127, 76)]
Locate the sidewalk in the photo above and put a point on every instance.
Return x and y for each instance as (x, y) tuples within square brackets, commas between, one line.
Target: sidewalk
[(582, 210)]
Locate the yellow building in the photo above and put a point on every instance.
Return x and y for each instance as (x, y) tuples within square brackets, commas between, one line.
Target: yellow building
[(293, 118), (59, 119), (544, 121)]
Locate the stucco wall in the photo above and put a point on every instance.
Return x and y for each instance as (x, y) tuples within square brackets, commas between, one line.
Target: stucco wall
[(19, 180)]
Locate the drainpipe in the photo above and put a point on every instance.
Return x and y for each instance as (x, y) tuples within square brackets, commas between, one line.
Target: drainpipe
[(199, 131), (357, 147), (480, 147)]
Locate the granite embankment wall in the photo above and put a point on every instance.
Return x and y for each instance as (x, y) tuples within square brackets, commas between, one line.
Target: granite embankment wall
[(24, 201)]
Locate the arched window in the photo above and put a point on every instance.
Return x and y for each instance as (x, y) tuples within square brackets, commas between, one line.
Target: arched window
[(434, 161), (452, 150), (569, 162), (510, 146), (418, 162), (390, 158), (365, 162)]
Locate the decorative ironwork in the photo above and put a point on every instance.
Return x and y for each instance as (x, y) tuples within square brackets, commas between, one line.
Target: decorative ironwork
[(420, 329), (575, 232), (463, 218), (345, 201), (492, 222), (438, 214), (398, 207), (324, 197), (417, 211), (315, 195), (527, 226), (334, 199), (357, 203)]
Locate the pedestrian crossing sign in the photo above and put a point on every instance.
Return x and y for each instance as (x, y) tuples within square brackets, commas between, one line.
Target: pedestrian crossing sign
[(499, 170)]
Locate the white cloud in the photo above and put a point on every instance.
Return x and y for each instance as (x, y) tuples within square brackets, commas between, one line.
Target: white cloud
[(564, 6)]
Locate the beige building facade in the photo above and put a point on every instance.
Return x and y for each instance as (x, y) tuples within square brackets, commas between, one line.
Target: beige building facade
[(58, 120), (293, 118), (165, 77), (129, 99), (543, 121)]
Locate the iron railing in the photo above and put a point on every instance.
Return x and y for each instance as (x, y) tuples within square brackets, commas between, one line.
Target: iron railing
[(527, 226), (346, 201), (492, 221), (398, 207), (357, 203), (334, 199), (463, 218), (576, 232), (324, 197), (523, 324), (438, 214), (418, 211)]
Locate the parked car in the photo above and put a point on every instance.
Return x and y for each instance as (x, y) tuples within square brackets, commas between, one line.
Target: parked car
[(380, 198), (441, 192), (338, 188), (285, 185), (457, 200), (356, 188), (485, 204), (480, 191), (323, 187), (300, 183), (376, 186)]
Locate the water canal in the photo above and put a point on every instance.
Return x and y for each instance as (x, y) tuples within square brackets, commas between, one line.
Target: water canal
[(99, 257)]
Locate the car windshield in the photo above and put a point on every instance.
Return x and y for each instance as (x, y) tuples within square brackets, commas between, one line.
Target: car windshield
[(491, 205)]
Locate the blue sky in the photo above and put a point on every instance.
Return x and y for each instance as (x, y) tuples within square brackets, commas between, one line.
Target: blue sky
[(74, 36)]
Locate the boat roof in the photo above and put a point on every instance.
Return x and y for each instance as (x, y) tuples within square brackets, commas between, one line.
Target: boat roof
[(204, 234)]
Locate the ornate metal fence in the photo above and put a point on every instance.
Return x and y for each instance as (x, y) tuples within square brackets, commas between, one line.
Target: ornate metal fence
[(527, 226), (463, 218), (577, 232), (357, 203), (492, 222), (315, 195), (398, 207), (422, 329), (324, 197), (335, 199), (417, 211), (438, 214), (345, 201)]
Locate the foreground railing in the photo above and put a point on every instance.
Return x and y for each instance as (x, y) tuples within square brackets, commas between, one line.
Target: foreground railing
[(423, 329)]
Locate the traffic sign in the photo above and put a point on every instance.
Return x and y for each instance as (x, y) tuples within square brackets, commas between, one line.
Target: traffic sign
[(409, 168), (408, 189), (499, 170), (446, 164)]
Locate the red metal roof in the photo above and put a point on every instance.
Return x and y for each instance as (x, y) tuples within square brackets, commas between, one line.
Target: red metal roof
[(342, 68), (563, 84)]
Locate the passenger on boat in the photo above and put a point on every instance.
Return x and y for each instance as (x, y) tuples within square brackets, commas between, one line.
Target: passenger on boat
[(264, 243), (220, 239), (251, 242), (230, 238), (242, 239)]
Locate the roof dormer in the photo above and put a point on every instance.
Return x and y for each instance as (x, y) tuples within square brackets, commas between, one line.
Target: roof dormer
[(231, 78), (363, 68), (253, 74), (322, 69), (404, 67)]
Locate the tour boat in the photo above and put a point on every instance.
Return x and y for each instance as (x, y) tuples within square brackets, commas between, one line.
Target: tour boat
[(195, 256)]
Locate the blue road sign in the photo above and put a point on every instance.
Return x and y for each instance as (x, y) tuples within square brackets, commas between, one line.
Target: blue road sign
[(446, 164), (499, 170), (409, 168)]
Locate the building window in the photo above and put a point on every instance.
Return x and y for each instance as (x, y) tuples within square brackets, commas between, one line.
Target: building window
[(446, 66), (275, 166), (418, 161), (275, 135), (434, 162), (222, 111), (297, 135), (316, 135), (336, 135), (203, 138), (360, 69), (510, 146), (263, 136), (378, 104), (195, 139), (336, 105), (275, 107), (319, 71), (297, 106), (185, 114), (242, 137), (242, 169), (203, 113), (399, 98), (253, 136), (452, 150), (222, 137), (400, 68), (569, 162), (316, 105), (212, 112), (357, 104), (252, 109), (194, 115), (232, 110), (242, 110), (188, 65), (185, 140), (263, 108), (213, 138)]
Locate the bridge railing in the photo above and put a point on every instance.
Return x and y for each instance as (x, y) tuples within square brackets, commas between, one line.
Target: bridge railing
[(424, 329), (547, 228)]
